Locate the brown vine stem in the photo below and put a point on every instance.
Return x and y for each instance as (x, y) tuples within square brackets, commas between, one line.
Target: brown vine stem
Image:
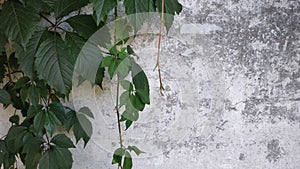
[(161, 88)]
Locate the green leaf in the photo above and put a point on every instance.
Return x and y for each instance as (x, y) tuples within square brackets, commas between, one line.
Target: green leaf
[(70, 120), (130, 50), (40, 5), (13, 62), (33, 95), (126, 85), (75, 42), (99, 76), (127, 161), (171, 7), (55, 64), (33, 110), (85, 124), (21, 82), (3, 62), (4, 97), (131, 115), (112, 64), (136, 7), (53, 119), (135, 149), (14, 138), (82, 127), (39, 121), (58, 110), (128, 123), (141, 83), (136, 103), (102, 8), (7, 159), (123, 68), (64, 7), (62, 141), (56, 158), (117, 157), (86, 111), (124, 98), (24, 94), (14, 119), (26, 57), (3, 42), (51, 122), (18, 22), (33, 152), (84, 25)]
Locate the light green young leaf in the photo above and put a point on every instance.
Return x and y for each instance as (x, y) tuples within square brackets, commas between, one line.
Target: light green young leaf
[(135, 149)]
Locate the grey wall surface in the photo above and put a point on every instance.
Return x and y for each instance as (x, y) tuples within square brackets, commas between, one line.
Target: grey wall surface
[(231, 71)]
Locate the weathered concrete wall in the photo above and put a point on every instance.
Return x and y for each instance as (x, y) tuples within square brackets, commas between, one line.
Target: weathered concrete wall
[(231, 71)]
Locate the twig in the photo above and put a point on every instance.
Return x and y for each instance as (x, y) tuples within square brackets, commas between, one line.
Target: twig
[(161, 88)]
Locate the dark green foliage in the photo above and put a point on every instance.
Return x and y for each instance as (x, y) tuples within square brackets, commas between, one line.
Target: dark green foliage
[(38, 57)]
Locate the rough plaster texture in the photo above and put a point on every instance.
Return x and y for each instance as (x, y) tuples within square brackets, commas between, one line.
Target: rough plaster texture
[(231, 72)]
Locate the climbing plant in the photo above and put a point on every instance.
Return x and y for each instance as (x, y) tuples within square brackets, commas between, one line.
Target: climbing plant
[(40, 41)]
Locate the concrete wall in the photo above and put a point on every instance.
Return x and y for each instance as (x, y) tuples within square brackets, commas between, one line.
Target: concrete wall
[(231, 71)]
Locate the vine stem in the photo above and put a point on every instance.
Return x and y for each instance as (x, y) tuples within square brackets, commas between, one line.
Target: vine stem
[(117, 97), (161, 88), (118, 114)]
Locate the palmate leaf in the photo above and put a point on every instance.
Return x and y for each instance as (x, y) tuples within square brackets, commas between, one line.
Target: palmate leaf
[(171, 7), (18, 22), (138, 6), (102, 7), (54, 63), (64, 7)]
